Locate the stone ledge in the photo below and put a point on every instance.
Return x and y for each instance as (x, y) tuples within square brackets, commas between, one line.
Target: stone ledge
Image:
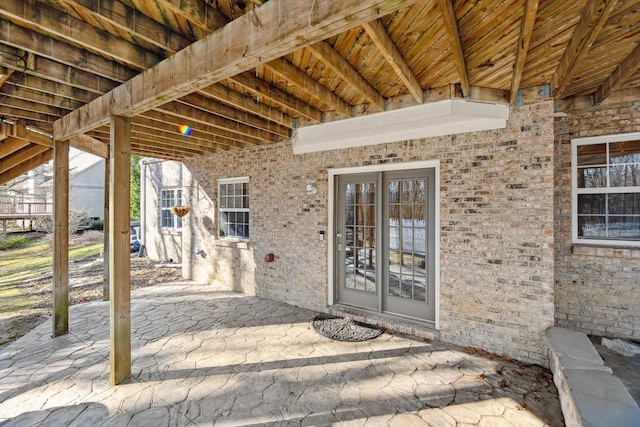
[(590, 396)]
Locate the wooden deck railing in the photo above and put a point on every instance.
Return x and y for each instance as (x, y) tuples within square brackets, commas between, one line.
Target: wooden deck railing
[(22, 210)]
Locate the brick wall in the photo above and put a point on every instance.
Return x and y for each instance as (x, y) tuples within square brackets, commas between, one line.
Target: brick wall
[(597, 288), (496, 280)]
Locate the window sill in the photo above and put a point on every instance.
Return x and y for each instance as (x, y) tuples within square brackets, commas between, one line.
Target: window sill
[(170, 231), (603, 250), (232, 243)]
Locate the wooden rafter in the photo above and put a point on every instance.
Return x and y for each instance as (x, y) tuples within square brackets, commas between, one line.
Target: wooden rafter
[(308, 85), (526, 30), (347, 72), (453, 34), (239, 46), (24, 133), (90, 145), (378, 34), (164, 117), (246, 103), (12, 144), (146, 31), (620, 75), (60, 52), (203, 18), (21, 156), (5, 73), (64, 27), (231, 113), (26, 166), (593, 18), (264, 91)]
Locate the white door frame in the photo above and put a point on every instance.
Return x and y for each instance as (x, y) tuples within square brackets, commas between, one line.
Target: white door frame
[(331, 217)]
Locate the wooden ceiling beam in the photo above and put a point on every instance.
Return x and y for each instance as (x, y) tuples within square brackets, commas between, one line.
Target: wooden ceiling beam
[(23, 132), (196, 139), (152, 146), (47, 86), (40, 97), (16, 113), (246, 103), (306, 84), (594, 16), (46, 47), (225, 111), (5, 73), (165, 118), (55, 71), (385, 45), (526, 30), (263, 90), (187, 111), (273, 30), (31, 106), (450, 23), (151, 34), (204, 18), (331, 58), (64, 27), (90, 145), (20, 156), (627, 68), (11, 145), (26, 166), (195, 118)]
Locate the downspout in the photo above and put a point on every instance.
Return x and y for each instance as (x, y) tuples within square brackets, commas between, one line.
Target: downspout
[(143, 201)]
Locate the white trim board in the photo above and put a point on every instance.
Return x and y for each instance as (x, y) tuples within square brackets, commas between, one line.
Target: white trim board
[(448, 117)]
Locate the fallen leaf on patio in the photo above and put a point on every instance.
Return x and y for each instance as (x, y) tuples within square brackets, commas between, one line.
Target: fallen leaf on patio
[(480, 377), (521, 406), (503, 384)]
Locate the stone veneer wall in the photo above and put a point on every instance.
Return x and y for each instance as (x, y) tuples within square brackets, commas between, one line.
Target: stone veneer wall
[(597, 287), (161, 245), (496, 222)]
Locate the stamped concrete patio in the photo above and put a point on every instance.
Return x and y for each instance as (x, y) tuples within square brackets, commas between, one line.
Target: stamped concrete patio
[(203, 356)]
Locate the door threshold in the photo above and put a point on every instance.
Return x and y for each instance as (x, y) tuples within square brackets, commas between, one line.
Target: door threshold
[(392, 323)]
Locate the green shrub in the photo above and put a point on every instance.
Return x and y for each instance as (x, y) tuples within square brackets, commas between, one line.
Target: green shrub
[(97, 225), (13, 242)]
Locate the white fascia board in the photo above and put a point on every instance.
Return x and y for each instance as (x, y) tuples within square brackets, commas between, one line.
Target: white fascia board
[(427, 120)]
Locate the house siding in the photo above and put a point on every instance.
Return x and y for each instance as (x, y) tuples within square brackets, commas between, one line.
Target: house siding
[(496, 224), (597, 287), (160, 245)]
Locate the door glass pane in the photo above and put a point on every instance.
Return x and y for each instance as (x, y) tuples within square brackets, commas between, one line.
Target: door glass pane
[(359, 242), (407, 240)]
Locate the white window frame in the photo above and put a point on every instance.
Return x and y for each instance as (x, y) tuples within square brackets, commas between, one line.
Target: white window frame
[(575, 191), (226, 181), (177, 221)]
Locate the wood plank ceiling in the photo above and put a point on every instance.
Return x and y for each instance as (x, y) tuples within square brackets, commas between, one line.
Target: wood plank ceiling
[(58, 55)]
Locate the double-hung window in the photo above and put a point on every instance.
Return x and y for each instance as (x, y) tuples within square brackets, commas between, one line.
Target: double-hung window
[(606, 190), (170, 197), (233, 202)]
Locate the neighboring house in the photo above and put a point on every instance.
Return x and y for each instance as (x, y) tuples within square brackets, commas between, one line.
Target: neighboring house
[(161, 187), (86, 185), (480, 238)]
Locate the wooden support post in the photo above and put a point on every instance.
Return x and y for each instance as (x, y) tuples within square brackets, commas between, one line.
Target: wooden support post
[(61, 238), (105, 230), (119, 254)]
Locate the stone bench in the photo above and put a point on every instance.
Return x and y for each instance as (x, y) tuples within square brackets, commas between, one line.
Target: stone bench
[(590, 395)]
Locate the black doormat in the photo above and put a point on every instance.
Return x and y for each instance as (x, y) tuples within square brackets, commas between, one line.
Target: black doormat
[(341, 329)]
